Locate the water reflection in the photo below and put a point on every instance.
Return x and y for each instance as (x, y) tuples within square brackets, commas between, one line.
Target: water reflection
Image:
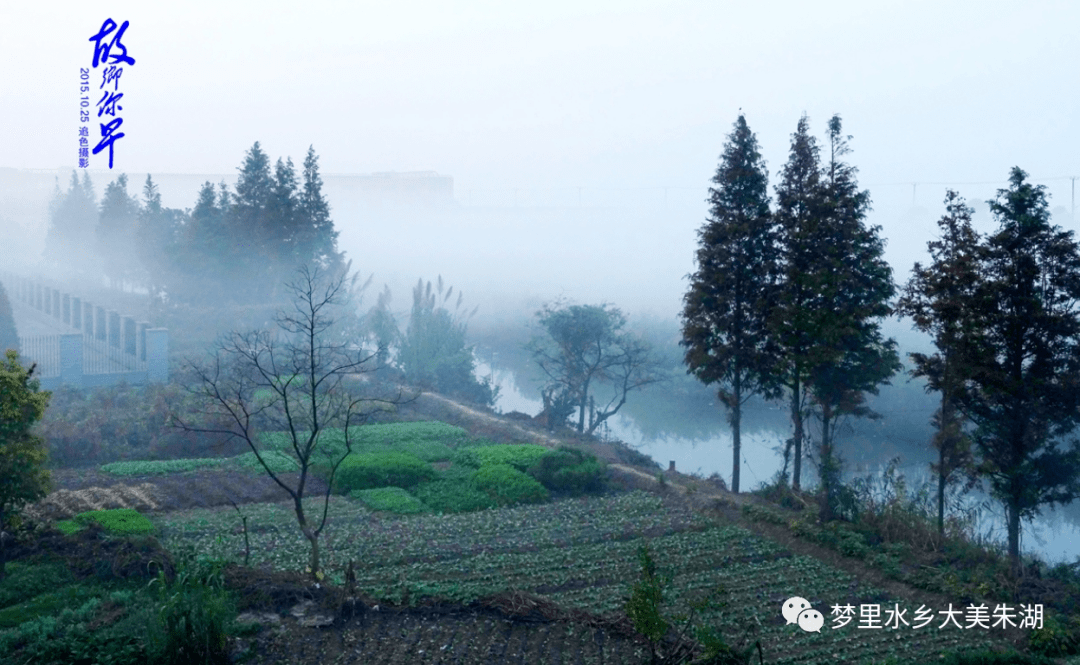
[(1054, 535)]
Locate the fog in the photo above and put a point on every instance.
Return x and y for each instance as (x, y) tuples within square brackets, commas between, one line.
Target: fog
[(580, 137)]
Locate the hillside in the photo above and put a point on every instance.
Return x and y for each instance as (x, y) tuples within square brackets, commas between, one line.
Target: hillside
[(541, 583)]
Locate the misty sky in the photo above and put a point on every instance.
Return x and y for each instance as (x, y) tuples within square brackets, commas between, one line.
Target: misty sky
[(627, 93)]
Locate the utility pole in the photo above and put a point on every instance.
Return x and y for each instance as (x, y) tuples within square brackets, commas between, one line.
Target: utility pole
[(1073, 199), (913, 186)]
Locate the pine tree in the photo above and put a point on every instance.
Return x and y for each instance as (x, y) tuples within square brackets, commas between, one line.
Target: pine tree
[(793, 324), (318, 242), (853, 289), (934, 298), (250, 224), (1021, 356), (73, 220), (158, 228), (116, 226), (726, 309)]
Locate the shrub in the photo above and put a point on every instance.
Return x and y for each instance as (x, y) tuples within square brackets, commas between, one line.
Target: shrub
[(391, 500), (120, 521), (125, 422), (508, 486), (569, 470), (520, 456), (193, 621), (454, 496), (28, 580), (1056, 638), (383, 469)]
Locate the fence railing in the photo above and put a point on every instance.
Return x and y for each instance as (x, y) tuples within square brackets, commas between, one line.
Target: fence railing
[(99, 347)]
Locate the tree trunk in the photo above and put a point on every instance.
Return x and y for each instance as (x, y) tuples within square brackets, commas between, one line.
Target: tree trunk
[(312, 537), (796, 418), (736, 438), (941, 495), (828, 471), (1013, 514), (581, 407)]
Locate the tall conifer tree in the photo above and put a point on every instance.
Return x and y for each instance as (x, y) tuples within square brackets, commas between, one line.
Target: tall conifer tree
[(853, 289), (116, 226), (726, 309), (934, 298), (799, 202), (1022, 360)]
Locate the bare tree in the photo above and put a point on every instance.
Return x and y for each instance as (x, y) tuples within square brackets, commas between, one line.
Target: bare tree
[(291, 380)]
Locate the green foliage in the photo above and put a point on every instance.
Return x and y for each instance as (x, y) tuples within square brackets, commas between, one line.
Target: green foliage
[(9, 334), (521, 456), (585, 347), (391, 500), (643, 608), (434, 354), (382, 469), (646, 597), (1021, 409), (726, 309), (431, 441), (26, 580), (508, 486), (192, 622), (1057, 637), (23, 477), (570, 471), (69, 635), (120, 521), (454, 496)]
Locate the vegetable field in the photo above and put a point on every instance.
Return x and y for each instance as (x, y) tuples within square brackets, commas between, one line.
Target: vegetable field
[(579, 553)]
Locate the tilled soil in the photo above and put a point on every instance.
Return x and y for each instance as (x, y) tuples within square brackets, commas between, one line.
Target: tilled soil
[(80, 490)]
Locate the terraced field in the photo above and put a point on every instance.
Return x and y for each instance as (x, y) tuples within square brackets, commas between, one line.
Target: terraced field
[(578, 553)]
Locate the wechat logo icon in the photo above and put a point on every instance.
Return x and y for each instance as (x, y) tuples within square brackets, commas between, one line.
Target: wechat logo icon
[(798, 611)]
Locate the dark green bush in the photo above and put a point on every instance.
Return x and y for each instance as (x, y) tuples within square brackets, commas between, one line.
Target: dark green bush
[(570, 471), (391, 500), (382, 469), (1056, 637), (520, 456), (26, 580), (454, 496), (120, 521), (193, 620), (508, 486)]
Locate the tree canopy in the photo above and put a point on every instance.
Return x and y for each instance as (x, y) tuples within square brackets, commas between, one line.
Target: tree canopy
[(726, 309), (23, 476), (585, 349), (1020, 351)]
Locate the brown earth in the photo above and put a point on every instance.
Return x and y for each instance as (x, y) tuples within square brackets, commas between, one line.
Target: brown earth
[(80, 490)]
